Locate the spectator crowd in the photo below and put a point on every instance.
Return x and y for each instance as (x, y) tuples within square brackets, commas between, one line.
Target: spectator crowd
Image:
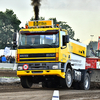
[(7, 59)]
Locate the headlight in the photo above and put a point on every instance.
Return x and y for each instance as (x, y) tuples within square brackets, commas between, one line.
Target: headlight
[(55, 67), (20, 67)]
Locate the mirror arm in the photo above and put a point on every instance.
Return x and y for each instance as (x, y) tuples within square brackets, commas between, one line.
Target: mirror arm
[(64, 47)]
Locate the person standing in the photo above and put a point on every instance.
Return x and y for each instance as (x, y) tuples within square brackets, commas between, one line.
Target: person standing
[(4, 59)]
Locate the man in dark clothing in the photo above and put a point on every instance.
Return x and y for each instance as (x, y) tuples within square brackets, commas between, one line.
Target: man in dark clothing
[(12, 60)]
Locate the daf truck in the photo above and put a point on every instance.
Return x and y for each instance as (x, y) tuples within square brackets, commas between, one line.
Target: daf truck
[(46, 54)]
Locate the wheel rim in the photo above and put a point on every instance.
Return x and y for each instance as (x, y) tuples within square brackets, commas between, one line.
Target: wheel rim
[(86, 82), (69, 80)]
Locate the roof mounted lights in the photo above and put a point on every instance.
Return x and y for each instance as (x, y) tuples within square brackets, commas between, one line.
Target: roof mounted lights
[(40, 24), (57, 25), (26, 26)]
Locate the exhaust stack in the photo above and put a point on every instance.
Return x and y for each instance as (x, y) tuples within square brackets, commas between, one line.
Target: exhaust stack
[(36, 4)]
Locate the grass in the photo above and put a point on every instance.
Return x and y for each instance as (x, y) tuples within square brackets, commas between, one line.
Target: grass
[(6, 68)]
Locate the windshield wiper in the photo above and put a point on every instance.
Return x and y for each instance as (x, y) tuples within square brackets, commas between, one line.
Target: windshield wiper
[(38, 46)]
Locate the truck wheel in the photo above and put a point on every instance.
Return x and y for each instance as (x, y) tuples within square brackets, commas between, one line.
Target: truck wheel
[(85, 85), (26, 81), (49, 84), (68, 78), (44, 84)]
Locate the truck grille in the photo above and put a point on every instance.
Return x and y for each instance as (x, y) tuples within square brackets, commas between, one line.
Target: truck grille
[(38, 57), (37, 66)]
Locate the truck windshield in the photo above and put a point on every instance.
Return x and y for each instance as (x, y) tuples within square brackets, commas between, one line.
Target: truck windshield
[(39, 41)]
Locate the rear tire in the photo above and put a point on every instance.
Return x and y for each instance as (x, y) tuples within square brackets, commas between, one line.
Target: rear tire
[(85, 85), (26, 81), (68, 78)]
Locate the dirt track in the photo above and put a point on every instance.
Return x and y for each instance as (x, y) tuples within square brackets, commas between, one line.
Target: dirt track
[(14, 91), (8, 73)]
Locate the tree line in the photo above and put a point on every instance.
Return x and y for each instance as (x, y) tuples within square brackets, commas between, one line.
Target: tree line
[(9, 23)]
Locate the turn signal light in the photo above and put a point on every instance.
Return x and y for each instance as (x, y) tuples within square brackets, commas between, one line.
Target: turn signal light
[(26, 26), (18, 57), (57, 56)]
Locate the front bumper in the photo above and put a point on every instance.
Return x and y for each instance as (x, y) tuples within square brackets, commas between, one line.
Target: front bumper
[(41, 66), (40, 72)]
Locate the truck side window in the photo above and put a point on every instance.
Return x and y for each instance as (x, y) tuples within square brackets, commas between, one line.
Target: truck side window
[(61, 38)]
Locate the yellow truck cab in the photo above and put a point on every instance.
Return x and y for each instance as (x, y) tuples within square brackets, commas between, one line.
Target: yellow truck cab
[(46, 54)]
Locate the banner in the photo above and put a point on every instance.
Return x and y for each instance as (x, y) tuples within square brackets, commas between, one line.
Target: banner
[(7, 51)]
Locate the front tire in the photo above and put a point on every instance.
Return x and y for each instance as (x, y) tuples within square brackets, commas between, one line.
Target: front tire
[(26, 81), (68, 77), (44, 84)]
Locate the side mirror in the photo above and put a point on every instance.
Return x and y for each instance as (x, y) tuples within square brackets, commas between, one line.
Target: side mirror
[(14, 40), (65, 39), (96, 53)]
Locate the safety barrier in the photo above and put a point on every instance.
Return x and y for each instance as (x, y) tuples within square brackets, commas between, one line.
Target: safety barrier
[(8, 66)]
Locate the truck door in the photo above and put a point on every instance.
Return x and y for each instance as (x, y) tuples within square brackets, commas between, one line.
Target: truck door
[(63, 48)]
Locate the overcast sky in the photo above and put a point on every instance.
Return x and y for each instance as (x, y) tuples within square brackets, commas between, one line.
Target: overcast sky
[(82, 15)]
